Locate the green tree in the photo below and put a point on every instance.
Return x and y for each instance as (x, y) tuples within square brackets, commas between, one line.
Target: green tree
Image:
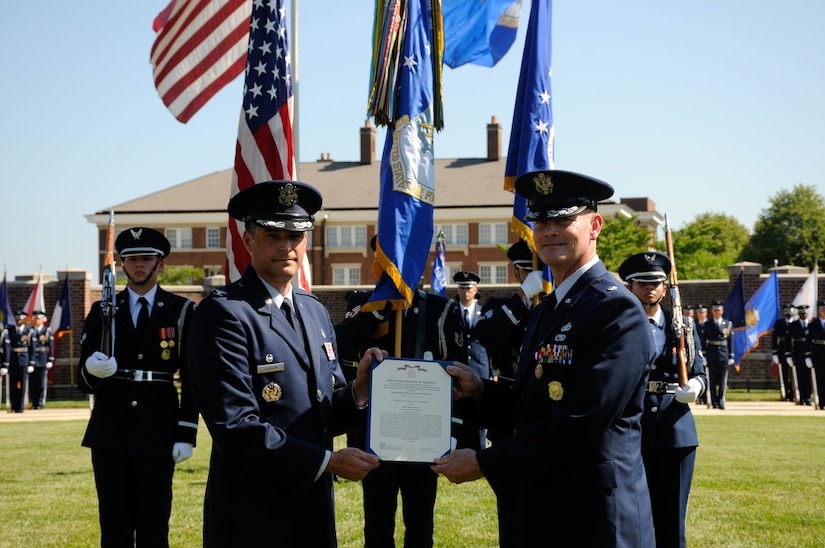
[(621, 237), (790, 231), (705, 247), (180, 275)]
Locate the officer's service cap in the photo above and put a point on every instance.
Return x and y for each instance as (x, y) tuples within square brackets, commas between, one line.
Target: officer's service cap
[(645, 267), (520, 254), (466, 278), (141, 240), (556, 194), (38, 314), (802, 307), (717, 304), (21, 314), (277, 205), (820, 304)]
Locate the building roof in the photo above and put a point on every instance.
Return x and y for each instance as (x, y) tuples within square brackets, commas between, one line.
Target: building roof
[(344, 185)]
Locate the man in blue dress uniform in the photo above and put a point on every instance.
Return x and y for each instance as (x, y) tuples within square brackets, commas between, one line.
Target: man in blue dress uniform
[(669, 438), (781, 351), (719, 352), (42, 341), (815, 362), (268, 383), (19, 352), (798, 333), (139, 428), (576, 407)]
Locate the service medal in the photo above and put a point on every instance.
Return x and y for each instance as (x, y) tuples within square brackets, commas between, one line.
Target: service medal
[(271, 392), (555, 390), (166, 354), (164, 344), (171, 344), (539, 370)]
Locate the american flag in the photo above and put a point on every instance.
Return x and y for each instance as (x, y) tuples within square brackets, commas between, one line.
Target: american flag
[(200, 47), (264, 149)]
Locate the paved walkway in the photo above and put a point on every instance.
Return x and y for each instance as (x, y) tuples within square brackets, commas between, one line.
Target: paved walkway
[(731, 408)]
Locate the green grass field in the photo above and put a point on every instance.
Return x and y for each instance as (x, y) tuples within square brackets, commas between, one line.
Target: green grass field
[(758, 482)]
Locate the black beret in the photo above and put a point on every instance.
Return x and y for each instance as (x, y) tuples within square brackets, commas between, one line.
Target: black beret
[(556, 194), (141, 240), (645, 267), (277, 205)]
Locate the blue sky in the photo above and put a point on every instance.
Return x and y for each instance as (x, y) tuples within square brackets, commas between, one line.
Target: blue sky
[(703, 106)]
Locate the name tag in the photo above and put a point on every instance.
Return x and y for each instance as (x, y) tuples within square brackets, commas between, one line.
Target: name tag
[(270, 368)]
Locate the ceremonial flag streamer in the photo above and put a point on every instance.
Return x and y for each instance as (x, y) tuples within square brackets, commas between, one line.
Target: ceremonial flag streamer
[(438, 280), (264, 149), (36, 302), (6, 313), (200, 47), (405, 96), (479, 32), (761, 312)]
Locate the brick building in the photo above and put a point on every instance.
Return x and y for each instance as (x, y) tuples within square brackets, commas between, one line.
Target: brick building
[(472, 210)]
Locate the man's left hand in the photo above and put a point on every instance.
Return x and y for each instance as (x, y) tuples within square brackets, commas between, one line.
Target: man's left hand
[(361, 384), (181, 451), (459, 466)]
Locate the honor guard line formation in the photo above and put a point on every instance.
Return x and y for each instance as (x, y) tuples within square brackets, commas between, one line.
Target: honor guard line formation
[(586, 388)]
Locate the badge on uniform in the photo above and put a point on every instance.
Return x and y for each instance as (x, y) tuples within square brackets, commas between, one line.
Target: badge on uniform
[(167, 340), (555, 390), (272, 392), (330, 350)]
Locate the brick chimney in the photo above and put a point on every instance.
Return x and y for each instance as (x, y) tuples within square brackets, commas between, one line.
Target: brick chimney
[(367, 143), (493, 141)]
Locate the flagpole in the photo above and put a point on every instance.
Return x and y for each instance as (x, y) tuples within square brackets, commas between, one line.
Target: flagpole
[(296, 124)]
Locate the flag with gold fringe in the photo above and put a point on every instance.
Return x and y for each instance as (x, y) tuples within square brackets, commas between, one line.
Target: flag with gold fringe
[(406, 97)]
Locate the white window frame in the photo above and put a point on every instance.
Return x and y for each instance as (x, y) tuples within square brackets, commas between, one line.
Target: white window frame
[(492, 233), (213, 232), (346, 274), (178, 237)]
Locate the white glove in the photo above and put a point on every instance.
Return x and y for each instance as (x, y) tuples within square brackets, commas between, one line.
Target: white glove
[(689, 392), (789, 361), (730, 361), (49, 365), (30, 369), (775, 359), (533, 284), (4, 371), (809, 363), (181, 451), (100, 365)]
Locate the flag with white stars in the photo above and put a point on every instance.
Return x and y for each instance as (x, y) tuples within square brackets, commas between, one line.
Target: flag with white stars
[(264, 150), (200, 47), (408, 56), (533, 133)]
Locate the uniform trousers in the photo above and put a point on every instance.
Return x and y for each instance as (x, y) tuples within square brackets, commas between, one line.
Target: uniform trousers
[(718, 382), (18, 385), (669, 475), (38, 386), (417, 484), (135, 498)]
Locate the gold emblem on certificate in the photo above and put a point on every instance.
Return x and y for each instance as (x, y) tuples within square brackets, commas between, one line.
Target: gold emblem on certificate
[(271, 392), (555, 390)]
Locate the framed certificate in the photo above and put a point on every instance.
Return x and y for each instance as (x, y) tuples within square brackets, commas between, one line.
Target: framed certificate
[(410, 410)]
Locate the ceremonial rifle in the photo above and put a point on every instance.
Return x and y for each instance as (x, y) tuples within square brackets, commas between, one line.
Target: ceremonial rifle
[(107, 300), (676, 308)]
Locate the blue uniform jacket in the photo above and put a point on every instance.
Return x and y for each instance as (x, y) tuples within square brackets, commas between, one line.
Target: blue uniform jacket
[(577, 421), (718, 346), (140, 418), (667, 423), (272, 408)]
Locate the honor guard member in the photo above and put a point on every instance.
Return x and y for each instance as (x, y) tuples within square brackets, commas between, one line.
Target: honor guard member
[(701, 321), (430, 329), (139, 428), (577, 404), (719, 353), (798, 332), (20, 353), (501, 325), (268, 383), (669, 438), (42, 343), (815, 362), (781, 351)]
